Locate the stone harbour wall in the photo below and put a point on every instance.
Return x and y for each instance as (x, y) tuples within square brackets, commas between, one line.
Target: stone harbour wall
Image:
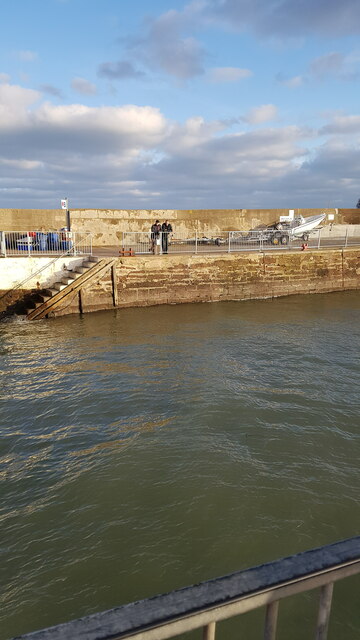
[(107, 225), (32, 219), (147, 281)]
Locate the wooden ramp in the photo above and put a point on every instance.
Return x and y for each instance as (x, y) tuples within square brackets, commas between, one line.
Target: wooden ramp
[(72, 281)]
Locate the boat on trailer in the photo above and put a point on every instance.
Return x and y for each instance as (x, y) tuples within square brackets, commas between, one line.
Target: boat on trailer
[(300, 227), (282, 232)]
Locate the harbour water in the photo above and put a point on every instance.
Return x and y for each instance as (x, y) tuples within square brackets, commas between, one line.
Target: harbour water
[(144, 450)]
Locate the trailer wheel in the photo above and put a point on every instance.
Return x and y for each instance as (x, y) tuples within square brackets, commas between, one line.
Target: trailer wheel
[(284, 240), (305, 237), (275, 239)]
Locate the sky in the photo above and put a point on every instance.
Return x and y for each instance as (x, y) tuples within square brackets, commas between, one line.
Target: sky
[(179, 105)]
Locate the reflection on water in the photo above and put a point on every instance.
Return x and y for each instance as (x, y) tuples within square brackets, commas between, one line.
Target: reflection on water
[(147, 449)]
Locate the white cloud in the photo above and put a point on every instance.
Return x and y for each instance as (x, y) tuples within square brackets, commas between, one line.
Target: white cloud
[(163, 45), (228, 74), (288, 18), (343, 125), (119, 70), (291, 82), (4, 78), (258, 115), (83, 86), (331, 63), (14, 104), (51, 90), (76, 127), (191, 135), (26, 56), (336, 65), (295, 81), (28, 165), (130, 156)]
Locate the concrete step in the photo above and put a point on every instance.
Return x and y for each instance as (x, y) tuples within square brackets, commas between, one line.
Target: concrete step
[(50, 292), (67, 280), (69, 273), (59, 286), (88, 264), (80, 269), (93, 259), (44, 298)]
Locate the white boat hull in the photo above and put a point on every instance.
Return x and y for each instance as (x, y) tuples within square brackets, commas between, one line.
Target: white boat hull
[(308, 225)]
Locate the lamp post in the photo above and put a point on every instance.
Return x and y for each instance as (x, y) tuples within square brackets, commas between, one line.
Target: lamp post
[(65, 205)]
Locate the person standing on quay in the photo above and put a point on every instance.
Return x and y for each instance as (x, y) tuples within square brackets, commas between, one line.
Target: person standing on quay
[(155, 236), (166, 228)]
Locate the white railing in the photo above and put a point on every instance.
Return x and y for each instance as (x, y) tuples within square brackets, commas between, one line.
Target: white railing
[(49, 243), (233, 241), (81, 242), (203, 605)]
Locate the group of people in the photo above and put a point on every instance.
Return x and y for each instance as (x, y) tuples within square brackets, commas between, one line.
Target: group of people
[(160, 236)]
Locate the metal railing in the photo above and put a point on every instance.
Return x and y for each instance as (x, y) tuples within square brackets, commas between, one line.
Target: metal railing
[(203, 605), (234, 241), (37, 243), (76, 249)]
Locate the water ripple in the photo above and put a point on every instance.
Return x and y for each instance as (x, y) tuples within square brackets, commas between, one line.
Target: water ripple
[(147, 449)]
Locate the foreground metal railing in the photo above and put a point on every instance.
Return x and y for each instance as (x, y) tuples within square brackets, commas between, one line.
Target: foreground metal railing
[(234, 241), (37, 243), (203, 605), (77, 248)]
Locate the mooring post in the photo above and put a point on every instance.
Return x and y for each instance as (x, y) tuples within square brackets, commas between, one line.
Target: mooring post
[(81, 301), (114, 286)]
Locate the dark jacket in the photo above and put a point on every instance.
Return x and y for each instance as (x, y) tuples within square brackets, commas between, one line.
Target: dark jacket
[(155, 230)]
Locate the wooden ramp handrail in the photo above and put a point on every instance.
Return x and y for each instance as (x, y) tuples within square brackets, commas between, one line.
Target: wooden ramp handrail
[(85, 278)]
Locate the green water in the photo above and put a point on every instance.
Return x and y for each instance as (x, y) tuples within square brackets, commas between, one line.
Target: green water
[(143, 450)]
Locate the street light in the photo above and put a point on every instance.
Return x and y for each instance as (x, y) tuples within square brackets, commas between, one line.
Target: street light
[(65, 205)]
